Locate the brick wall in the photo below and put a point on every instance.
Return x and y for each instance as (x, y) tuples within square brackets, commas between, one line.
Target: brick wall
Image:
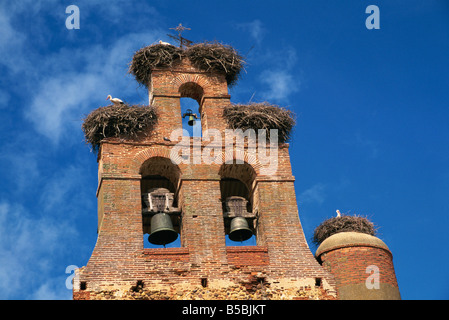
[(349, 265), (248, 256), (359, 265), (280, 265)]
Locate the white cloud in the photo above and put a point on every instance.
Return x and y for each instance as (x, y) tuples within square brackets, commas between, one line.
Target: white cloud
[(370, 146), (63, 86), (27, 247), (315, 194), (281, 80), (280, 85), (53, 289), (255, 29), (63, 98), (11, 42)]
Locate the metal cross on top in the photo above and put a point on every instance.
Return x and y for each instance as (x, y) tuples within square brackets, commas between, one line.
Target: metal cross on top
[(182, 41)]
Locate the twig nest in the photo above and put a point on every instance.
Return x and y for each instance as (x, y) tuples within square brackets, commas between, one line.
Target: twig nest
[(260, 116), (117, 121), (207, 56), (217, 57), (150, 57), (344, 223)]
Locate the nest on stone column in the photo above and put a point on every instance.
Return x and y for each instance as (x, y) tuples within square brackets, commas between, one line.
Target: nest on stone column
[(344, 223)]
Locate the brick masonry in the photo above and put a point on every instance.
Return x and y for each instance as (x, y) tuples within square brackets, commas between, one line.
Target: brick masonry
[(280, 266), (352, 265)]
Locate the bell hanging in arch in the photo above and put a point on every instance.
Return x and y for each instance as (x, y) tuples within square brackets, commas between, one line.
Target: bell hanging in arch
[(191, 121), (192, 117), (162, 231), (239, 230)]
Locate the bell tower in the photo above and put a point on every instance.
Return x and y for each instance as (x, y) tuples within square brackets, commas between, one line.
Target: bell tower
[(200, 191)]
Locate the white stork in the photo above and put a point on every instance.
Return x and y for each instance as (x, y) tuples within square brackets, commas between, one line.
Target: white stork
[(338, 214), (115, 101), (164, 43)]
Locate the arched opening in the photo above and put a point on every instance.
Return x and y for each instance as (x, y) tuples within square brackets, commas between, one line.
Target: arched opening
[(191, 119), (237, 195), (159, 190), (191, 95)]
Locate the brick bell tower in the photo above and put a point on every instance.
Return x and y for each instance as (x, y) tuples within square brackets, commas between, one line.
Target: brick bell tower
[(140, 187)]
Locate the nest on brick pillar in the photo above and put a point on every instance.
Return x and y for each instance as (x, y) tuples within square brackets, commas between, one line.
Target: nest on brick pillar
[(207, 56), (117, 121), (150, 57), (260, 116), (214, 56), (343, 224)]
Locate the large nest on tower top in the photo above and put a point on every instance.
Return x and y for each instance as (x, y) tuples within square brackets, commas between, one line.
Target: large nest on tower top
[(117, 121), (150, 57), (214, 56), (343, 224), (261, 116), (206, 56)]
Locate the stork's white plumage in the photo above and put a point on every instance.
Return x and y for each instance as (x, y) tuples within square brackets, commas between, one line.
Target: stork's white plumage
[(164, 43), (115, 101), (338, 214)]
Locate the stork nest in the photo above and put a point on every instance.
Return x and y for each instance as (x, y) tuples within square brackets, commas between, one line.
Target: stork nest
[(150, 57), (261, 116), (343, 224), (217, 57), (117, 121), (207, 56)]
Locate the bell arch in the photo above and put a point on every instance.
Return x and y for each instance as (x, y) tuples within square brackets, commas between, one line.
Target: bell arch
[(237, 190), (163, 167), (161, 221), (191, 90), (144, 155), (191, 95)]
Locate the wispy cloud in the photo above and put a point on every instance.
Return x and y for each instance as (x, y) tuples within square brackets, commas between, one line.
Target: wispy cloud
[(280, 85), (27, 247), (255, 29), (282, 79), (369, 145), (62, 98), (63, 85), (45, 195), (314, 194)]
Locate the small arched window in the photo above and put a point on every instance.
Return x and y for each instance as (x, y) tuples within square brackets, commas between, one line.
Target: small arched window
[(191, 120), (191, 96)]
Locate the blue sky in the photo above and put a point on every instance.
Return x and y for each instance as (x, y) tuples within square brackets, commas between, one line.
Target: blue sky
[(372, 134)]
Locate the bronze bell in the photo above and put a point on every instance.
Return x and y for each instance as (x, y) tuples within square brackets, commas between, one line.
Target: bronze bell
[(162, 231), (239, 230), (192, 117), (191, 121)]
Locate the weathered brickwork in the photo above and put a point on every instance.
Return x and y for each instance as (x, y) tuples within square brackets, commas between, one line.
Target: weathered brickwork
[(362, 266), (280, 266)]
